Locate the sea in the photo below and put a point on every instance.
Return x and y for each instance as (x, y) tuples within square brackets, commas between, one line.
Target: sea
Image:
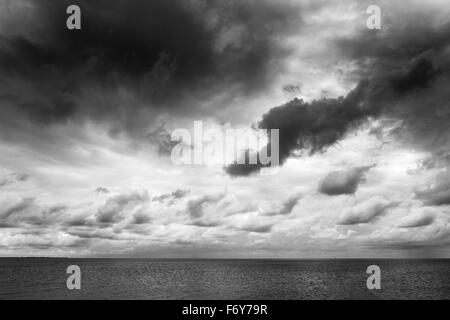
[(157, 279)]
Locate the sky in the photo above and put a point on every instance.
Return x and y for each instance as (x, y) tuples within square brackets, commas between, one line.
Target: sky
[(86, 118)]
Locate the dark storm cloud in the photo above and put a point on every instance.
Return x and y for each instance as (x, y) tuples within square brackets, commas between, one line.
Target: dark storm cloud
[(400, 79), (134, 56), (343, 182), (413, 58), (419, 76), (375, 51), (243, 166)]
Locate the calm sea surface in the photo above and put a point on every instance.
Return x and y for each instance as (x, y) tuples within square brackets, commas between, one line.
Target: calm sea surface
[(40, 278)]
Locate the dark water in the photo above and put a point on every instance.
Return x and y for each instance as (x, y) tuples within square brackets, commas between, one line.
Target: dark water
[(223, 279)]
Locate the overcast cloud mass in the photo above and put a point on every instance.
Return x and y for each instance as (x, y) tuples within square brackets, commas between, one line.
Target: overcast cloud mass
[(86, 118)]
